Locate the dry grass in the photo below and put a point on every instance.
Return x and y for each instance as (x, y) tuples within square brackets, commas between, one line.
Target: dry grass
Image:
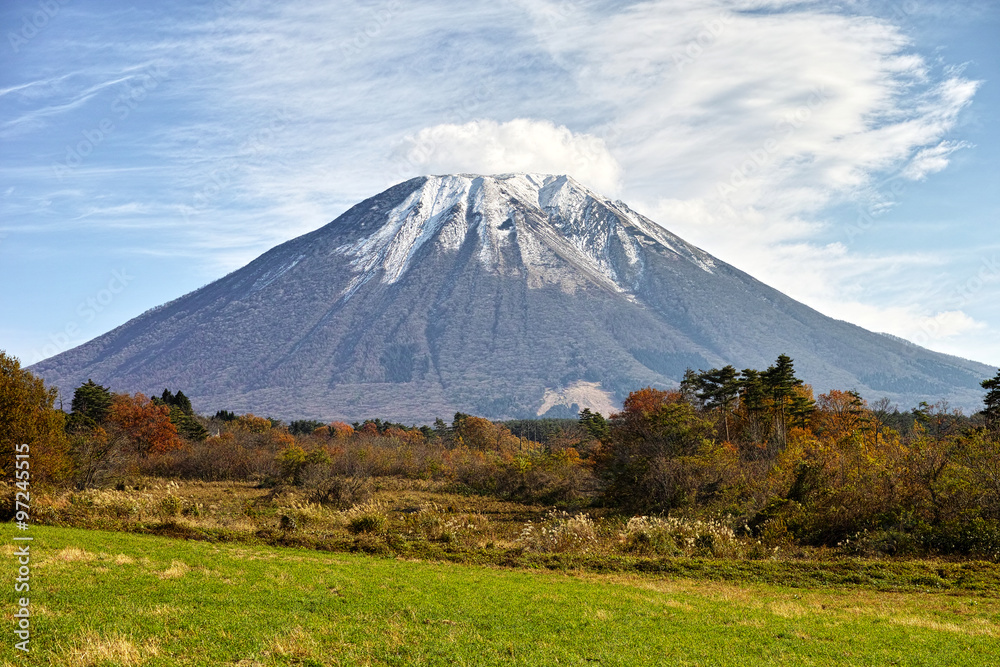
[(297, 645), (69, 555), (93, 649), (176, 570)]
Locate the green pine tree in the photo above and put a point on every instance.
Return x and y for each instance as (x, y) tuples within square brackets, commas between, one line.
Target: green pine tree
[(91, 405), (992, 402)]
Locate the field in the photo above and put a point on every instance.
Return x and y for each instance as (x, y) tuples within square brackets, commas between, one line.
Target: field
[(417, 572), (103, 598)]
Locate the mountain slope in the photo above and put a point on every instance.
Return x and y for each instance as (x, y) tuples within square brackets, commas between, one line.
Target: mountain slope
[(503, 296)]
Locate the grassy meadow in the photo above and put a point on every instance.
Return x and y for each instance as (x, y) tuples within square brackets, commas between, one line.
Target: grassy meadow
[(203, 573), (104, 598)]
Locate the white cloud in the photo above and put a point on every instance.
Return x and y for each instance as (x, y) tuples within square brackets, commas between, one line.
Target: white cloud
[(519, 145), (735, 123), (931, 160), (738, 130)]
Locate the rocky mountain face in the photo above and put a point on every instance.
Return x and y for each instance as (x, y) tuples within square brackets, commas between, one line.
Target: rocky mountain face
[(503, 296)]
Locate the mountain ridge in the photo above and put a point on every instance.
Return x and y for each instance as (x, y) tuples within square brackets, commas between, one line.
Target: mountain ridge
[(494, 295)]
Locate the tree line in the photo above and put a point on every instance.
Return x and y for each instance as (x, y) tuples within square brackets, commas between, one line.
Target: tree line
[(754, 446)]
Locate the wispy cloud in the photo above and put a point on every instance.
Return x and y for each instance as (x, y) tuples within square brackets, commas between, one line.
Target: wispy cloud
[(738, 124)]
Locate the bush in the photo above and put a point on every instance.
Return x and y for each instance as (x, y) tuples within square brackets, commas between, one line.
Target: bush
[(674, 536), (170, 506), (372, 522), (561, 532), (340, 492)]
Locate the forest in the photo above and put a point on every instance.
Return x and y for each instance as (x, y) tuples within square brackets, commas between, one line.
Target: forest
[(753, 451)]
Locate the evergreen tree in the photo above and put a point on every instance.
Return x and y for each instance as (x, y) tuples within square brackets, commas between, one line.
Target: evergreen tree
[(595, 424), (718, 388), (801, 408), (304, 426), (992, 402), (91, 405), (689, 387), (182, 414), (780, 382), (752, 397)]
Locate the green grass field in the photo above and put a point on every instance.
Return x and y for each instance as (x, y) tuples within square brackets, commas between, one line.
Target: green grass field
[(102, 598)]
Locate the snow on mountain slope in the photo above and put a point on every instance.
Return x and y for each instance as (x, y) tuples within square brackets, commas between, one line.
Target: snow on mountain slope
[(506, 296), (563, 215)]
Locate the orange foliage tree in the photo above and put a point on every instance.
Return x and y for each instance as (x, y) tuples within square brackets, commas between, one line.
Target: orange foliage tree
[(250, 423), (484, 435), (146, 424), (339, 430)]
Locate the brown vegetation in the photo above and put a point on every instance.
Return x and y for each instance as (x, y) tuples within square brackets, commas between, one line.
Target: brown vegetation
[(732, 463)]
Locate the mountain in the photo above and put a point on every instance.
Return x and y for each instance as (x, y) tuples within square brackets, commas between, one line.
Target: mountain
[(501, 296)]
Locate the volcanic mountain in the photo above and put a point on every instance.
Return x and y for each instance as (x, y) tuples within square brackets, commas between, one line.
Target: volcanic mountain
[(502, 296)]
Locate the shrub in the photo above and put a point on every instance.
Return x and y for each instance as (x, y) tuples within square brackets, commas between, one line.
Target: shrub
[(328, 489), (561, 532), (372, 522), (169, 506), (675, 536), (288, 522)]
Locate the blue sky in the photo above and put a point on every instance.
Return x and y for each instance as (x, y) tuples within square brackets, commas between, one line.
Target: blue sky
[(846, 153)]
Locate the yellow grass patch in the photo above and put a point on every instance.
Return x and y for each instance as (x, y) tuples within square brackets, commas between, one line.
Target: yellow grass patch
[(71, 555), (786, 609), (930, 624), (94, 649), (122, 559), (163, 610), (675, 604), (296, 644), (176, 570)]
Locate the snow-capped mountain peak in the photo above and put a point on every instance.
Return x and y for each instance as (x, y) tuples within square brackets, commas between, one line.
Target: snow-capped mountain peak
[(518, 222)]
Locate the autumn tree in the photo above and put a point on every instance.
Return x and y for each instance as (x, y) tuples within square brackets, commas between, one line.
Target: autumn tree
[(28, 417), (99, 454), (340, 430), (249, 423), (840, 414), (660, 452), (878, 418), (146, 424), (483, 435)]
